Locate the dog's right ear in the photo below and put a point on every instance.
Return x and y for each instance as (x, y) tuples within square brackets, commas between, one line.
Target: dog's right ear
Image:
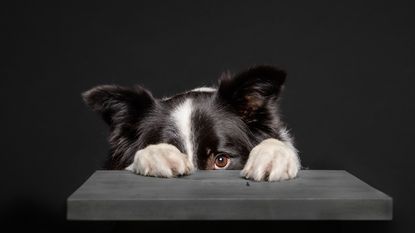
[(252, 94), (119, 105)]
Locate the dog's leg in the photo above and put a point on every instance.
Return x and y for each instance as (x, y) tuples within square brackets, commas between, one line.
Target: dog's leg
[(272, 160), (161, 160)]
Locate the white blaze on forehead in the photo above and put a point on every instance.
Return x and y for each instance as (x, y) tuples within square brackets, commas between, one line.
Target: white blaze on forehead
[(182, 118), (204, 89)]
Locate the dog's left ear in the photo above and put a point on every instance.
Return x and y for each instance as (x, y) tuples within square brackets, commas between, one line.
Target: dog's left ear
[(251, 93)]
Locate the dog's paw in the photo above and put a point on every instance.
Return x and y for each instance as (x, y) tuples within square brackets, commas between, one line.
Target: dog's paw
[(161, 160), (272, 160)]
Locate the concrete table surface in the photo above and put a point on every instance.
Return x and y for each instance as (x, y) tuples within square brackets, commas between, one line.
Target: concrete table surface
[(224, 195)]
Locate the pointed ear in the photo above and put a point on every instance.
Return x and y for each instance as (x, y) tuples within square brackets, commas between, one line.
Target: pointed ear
[(119, 105), (251, 92)]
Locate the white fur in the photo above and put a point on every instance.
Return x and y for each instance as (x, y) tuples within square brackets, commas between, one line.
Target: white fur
[(204, 89), (181, 116), (272, 160), (284, 134), (161, 160), (166, 98), (199, 89)]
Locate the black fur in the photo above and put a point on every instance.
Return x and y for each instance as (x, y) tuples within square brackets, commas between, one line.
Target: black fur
[(239, 115)]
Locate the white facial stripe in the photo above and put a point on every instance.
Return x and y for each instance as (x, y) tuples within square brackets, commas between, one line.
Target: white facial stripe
[(204, 89), (182, 118)]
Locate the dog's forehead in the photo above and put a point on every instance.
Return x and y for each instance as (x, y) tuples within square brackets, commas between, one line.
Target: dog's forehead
[(194, 93), (186, 112), (201, 124)]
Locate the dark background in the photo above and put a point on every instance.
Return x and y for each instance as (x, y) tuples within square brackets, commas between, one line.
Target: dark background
[(349, 98)]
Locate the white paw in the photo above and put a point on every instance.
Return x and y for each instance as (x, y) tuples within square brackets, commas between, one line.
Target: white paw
[(272, 160), (161, 160)]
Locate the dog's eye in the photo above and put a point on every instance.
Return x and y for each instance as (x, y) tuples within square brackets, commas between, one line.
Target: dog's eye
[(221, 161)]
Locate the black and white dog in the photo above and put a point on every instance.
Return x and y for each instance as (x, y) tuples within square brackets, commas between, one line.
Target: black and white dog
[(233, 126)]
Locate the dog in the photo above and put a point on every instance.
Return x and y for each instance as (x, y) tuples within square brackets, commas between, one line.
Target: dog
[(233, 126)]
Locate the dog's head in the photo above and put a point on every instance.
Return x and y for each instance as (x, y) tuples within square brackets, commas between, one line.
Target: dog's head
[(215, 127)]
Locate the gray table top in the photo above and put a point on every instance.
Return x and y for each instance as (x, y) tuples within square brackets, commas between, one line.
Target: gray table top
[(224, 195)]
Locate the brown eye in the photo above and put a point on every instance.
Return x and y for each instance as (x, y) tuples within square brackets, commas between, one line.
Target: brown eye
[(221, 161)]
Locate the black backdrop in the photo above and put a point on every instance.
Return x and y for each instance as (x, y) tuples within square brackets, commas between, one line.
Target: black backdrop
[(349, 98)]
